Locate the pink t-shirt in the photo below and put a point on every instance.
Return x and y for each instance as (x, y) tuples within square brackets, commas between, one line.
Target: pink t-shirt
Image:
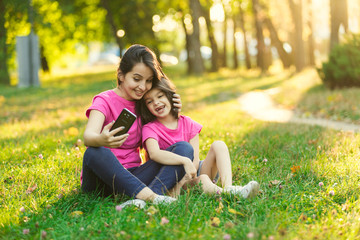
[(186, 130), (111, 104)]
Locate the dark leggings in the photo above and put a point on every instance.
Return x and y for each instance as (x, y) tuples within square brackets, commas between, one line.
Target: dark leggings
[(103, 172)]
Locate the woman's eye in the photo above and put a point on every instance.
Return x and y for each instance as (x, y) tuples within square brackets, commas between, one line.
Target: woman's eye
[(160, 96), (149, 81)]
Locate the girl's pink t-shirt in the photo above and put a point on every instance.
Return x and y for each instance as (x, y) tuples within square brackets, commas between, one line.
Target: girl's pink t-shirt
[(186, 130), (111, 104)]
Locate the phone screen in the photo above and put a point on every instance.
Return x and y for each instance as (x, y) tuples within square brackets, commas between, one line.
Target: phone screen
[(125, 119)]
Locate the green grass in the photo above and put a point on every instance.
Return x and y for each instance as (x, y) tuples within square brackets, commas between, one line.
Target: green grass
[(41, 157)]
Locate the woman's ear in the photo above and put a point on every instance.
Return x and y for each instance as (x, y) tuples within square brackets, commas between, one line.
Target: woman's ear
[(120, 77)]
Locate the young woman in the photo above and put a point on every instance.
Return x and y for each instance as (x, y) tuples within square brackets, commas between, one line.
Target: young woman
[(111, 163), (164, 127)]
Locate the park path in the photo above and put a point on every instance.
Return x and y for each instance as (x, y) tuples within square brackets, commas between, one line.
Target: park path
[(260, 105)]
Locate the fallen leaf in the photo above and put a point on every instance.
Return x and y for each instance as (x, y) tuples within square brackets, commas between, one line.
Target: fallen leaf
[(219, 209), (274, 182), (76, 213), (31, 189), (152, 210), (215, 221), (233, 211)]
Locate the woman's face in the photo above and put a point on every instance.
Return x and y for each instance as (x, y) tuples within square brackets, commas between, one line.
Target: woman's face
[(136, 82)]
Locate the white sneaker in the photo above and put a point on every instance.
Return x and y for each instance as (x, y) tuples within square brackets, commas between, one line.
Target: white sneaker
[(160, 199), (136, 202), (248, 191)]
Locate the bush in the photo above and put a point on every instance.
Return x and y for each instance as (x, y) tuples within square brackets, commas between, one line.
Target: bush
[(343, 68)]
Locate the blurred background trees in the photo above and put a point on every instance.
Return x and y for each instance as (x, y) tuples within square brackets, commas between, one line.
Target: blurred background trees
[(206, 35)]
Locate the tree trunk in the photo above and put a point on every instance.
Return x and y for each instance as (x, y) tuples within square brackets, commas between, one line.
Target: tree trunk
[(236, 64), (246, 49), (338, 16), (224, 55), (296, 12), (260, 58), (278, 44), (110, 19), (44, 63), (213, 44), (4, 72), (195, 53), (187, 46), (311, 35)]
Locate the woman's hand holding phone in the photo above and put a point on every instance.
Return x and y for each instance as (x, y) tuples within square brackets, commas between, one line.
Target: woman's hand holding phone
[(109, 138)]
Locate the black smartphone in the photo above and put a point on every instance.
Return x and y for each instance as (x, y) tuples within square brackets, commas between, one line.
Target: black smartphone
[(125, 119)]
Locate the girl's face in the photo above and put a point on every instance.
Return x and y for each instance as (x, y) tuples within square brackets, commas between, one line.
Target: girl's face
[(157, 103), (136, 82)]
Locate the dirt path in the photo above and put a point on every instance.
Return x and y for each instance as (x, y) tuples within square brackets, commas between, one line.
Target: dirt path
[(260, 105)]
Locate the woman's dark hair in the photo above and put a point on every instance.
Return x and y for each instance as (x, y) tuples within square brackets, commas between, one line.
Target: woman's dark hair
[(139, 54), (168, 88)]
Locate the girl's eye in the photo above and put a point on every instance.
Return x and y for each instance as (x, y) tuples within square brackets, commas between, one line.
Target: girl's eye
[(148, 102), (149, 81), (160, 96), (136, 79)]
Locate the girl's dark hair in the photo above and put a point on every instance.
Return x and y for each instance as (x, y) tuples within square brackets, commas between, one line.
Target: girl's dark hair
[(168, 88), (139, 54)]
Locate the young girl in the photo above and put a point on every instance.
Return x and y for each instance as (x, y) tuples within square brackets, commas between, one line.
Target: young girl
[(111, 163), (164, 127)]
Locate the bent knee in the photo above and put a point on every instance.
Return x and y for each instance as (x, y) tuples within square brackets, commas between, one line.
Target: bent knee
[(184, 149), (219, 146)]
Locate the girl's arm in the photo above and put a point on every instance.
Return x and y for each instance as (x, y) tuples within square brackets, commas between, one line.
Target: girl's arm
[(168, 158), (195, 144), (94, 137)]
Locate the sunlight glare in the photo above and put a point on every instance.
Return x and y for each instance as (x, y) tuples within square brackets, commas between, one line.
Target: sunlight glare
[(120, 33), (166, 23), (217, 13)]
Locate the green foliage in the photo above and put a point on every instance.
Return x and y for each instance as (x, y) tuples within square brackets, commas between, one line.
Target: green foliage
[(342, 68)]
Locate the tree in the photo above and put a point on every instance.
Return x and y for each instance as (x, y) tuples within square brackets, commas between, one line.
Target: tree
[(225, 23), (189, 60), (260, 58), (4, 73), (242, 26), (194, 38), (310, 39), (278, 44), (236, 64), (338, 16), (299, 51), (214, 48), (111, 21)]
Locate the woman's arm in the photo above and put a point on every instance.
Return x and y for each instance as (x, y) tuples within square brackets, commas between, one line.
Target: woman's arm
[(168, 158), (94, 137), (195, 144)]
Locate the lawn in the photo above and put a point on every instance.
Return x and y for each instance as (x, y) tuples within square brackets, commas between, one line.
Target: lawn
[(310, 180)]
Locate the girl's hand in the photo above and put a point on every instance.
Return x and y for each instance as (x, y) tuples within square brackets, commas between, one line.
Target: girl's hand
[(190, 170), (177, 102), (109, 138)]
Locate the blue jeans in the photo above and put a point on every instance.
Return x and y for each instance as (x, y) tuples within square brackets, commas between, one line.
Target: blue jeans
[(103, 172)]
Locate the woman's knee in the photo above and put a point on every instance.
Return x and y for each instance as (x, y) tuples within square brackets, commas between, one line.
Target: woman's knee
[(95, 152)]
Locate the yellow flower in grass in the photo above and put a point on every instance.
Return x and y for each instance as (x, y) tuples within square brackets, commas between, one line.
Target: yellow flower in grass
[(294, 169), (72, 131)]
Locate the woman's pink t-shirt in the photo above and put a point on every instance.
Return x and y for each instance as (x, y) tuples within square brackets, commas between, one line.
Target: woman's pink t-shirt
[(111, 104), (186, 130)]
